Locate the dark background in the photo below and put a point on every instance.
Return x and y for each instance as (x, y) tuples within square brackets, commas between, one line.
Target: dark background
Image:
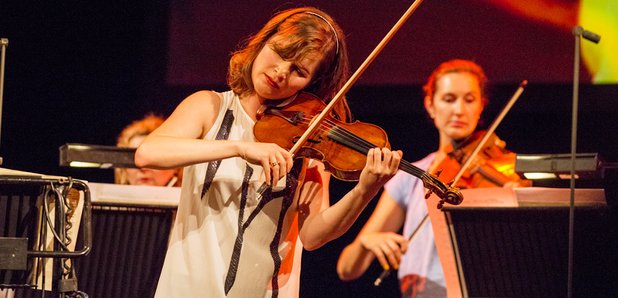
[(80, 72)]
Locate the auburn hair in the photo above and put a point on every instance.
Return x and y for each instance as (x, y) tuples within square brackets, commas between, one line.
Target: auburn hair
[(294, 34), (141, 127), (455, 66)]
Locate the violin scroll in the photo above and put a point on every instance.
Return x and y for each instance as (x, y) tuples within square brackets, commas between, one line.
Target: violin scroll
[(446, 193)]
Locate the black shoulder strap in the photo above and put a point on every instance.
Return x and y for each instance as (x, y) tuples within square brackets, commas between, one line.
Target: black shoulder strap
[(222, 134)]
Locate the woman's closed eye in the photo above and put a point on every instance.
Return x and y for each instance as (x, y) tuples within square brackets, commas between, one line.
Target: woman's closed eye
[(449, 97), (302, 72), (470, 98)]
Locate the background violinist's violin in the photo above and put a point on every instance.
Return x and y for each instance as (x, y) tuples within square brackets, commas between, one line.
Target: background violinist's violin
[(481, 160), (493, 166)]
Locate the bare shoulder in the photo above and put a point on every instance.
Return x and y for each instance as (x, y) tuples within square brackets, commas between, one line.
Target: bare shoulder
[(204, 100), (194, 115)]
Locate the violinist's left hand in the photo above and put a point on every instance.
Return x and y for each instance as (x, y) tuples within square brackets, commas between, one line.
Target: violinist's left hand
[(382, 164)]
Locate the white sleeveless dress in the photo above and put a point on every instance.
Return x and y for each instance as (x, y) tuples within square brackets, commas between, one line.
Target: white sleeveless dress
[(207, 257)]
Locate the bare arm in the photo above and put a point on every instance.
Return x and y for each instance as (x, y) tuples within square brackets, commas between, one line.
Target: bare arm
[(320, 223), (377, 238), (179, 142)]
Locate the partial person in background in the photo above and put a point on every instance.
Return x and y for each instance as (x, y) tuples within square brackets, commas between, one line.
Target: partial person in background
[(131, 137), (455, 98)]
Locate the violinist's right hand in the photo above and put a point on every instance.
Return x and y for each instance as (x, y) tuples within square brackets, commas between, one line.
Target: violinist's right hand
[(275, 160), (388, 247)]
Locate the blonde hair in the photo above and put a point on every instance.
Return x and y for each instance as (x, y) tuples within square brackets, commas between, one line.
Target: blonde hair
[(141, 127), (295, 33)]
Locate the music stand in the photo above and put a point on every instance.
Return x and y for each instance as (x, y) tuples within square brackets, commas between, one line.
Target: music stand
[(41, 219), (522, 251), (131, 225)]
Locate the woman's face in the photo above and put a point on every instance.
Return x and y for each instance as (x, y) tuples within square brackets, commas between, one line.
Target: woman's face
[(147, 176), (456, 106), (275, 78)]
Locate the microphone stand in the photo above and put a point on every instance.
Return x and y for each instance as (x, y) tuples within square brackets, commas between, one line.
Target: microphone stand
[(4, 42), (578, 32)]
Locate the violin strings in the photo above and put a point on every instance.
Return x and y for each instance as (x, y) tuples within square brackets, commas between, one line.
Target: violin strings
[(320, 128), (352, 140), (359, 144), (343, 135)]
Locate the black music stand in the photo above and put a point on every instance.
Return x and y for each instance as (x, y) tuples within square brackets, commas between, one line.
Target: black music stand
[(523, 251), (131, 225), (37, 214)]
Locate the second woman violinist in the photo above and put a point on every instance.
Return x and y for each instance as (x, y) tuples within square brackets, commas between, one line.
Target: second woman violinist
[(454, 99), (228, 240)]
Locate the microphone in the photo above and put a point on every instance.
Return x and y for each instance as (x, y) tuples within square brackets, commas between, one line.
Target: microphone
[(591, 36)]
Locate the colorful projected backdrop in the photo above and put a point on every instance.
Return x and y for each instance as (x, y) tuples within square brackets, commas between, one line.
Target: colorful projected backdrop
[(513, 40)]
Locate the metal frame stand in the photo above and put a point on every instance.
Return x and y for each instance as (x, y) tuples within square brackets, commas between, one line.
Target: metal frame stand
[(578, 32), (16, 251)]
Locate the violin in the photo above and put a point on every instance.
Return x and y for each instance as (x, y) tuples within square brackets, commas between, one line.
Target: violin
[(493, 166), (342, 147)]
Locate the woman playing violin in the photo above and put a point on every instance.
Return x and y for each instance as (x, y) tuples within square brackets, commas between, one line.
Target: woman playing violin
[(454, 99), (229, 240)]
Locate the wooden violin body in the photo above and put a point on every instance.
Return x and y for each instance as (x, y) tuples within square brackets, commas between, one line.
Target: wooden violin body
[(284, 126), (493, 166), (342, 147)]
